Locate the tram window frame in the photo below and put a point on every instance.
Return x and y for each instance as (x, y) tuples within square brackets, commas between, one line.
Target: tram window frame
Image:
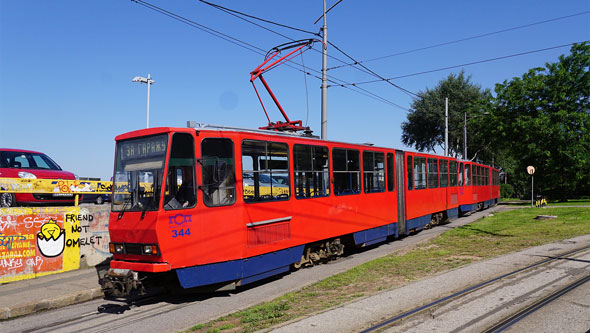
[(271, 149), (312, 179), (181, 166), (373, 171), (410, 172), (341, 168), (453, 171), (461, 175), (467, 175), (390, 172), (478, 175), (218, 192), (443, 169), (420, 173), (432, 181)]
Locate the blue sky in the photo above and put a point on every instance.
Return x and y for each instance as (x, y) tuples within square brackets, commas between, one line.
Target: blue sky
[(66, 66)]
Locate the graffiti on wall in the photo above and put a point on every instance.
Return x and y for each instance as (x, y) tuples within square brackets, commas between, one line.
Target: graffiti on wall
[(34, 242), (37, 241)]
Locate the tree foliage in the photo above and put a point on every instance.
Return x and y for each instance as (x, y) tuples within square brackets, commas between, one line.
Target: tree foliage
[(425, 126), (540, 119), (543, 119)]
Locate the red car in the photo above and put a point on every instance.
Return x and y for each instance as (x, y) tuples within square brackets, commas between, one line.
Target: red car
[(18, 163)]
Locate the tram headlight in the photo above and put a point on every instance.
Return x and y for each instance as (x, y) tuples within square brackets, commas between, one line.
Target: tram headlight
[(116, 248), (150, 249)]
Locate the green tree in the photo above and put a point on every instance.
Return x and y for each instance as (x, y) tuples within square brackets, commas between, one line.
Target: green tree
[(543, 119), (425, 126)]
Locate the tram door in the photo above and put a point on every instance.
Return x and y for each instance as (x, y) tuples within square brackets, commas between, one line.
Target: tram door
[(401, 202)]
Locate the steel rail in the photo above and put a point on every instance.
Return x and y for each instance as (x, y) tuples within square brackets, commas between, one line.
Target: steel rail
[(470, 289), (515, 318)]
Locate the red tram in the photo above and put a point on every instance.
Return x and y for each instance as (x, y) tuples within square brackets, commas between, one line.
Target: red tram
[(221, 207)]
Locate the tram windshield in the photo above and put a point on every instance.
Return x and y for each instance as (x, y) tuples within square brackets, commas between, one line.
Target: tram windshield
[(139, 169)]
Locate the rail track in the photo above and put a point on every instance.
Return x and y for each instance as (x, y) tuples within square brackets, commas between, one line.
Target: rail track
[(507, 322)]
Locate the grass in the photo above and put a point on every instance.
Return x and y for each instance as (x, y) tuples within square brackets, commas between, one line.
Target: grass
[(571, 202), (490, 237)]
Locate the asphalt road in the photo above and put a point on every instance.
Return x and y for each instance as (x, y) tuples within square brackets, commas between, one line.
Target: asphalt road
[(174, 312)]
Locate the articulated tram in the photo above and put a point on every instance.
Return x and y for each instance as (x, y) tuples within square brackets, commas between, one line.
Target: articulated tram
[(218, 208)]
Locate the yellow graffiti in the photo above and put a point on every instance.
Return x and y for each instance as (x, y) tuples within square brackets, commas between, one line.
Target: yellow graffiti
[(20, 185), (50, 230)]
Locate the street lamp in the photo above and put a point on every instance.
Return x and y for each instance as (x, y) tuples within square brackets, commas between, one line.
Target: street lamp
[(148, 80), (465, 132)]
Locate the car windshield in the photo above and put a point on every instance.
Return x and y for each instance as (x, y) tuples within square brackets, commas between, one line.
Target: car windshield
[(139, 167), (26, 160)]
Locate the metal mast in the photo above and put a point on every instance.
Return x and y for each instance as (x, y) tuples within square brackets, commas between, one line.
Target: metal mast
[(324, 134)]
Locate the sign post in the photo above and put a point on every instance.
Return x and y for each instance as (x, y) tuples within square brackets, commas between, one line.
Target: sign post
[(531, 171)]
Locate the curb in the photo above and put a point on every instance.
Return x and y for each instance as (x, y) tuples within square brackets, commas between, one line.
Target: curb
[(47, 304)]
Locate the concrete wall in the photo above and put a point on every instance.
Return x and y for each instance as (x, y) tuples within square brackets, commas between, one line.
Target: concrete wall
[(46, 240), (94, 234)]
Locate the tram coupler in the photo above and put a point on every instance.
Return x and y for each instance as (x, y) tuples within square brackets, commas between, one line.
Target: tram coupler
[(119, 282)]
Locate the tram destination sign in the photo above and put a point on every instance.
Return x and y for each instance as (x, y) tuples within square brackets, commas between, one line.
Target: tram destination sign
[(143, 148)]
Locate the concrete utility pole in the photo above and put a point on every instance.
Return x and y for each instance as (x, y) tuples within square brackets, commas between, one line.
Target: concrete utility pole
[(446, 126), (324, 134)]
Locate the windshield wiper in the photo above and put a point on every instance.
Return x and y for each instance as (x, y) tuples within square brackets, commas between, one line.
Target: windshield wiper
[(145, 207), (124, 207)]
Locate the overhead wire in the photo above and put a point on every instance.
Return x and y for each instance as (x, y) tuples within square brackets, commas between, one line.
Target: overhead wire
[(254, 49), (257, 18), (466, 64), (203, 28), (237, 15), (366, 70), (463, 39), (406, 91)]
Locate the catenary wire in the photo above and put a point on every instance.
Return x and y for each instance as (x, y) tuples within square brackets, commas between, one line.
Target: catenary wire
[(258, 18), (327, 11), (365, 70), (466, 64), (237, 15), (256, 49), (409, 93), (463, 39)]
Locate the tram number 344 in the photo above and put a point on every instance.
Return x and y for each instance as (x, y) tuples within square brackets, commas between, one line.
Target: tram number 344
[(181, 232)]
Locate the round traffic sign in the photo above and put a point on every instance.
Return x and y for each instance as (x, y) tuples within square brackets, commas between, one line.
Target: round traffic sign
[(530, 169)]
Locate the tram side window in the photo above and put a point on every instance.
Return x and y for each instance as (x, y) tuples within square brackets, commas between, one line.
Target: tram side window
[(410, 168), (263, 162), (346, 165), (461, 177), (453, 173), (467, 181), (432, 173), (311, 171), (373, 171), (218, 171), (420, 173), (444, 173), (180, 180), (390, 173)]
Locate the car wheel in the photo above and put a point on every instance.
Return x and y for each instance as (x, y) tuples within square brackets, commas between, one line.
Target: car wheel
[(99, 200), (7, 200)]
